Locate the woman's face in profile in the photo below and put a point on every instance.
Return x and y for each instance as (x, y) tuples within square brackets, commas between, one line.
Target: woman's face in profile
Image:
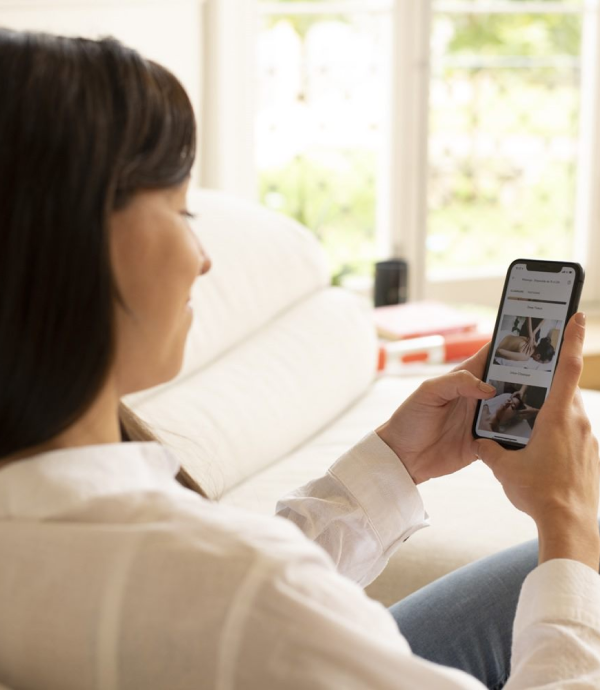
[(156, 259)]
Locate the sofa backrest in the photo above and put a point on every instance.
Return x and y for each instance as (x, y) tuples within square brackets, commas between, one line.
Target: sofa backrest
[(274, 353), (263, 262)]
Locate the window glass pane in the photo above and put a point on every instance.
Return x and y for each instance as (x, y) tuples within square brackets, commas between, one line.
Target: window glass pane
[(323, 98), (504, 120)]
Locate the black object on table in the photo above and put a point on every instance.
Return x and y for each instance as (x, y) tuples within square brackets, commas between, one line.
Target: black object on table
[(391, 282)]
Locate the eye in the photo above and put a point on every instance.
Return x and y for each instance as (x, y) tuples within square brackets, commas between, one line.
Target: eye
[(188, 215)]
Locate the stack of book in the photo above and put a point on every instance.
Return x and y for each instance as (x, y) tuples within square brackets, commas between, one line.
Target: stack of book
[(427, 331)]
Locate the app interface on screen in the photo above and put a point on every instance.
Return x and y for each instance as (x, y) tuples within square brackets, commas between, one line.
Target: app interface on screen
[(524, 351)]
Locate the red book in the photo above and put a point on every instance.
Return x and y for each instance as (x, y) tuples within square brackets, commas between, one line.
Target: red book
[(417, 319)]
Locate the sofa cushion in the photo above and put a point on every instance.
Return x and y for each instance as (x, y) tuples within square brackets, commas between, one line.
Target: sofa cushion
[(271, 393)]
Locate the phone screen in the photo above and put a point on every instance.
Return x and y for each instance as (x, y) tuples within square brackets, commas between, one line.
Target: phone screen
[(535, 307)]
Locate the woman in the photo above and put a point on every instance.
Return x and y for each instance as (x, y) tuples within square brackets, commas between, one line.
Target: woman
[(519, 349), (113, 574)]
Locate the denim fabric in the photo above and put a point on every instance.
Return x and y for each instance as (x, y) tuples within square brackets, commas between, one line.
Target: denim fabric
[(465, 618)]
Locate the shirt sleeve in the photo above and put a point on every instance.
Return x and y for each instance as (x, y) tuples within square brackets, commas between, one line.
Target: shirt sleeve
[(360, 511), (556, 635)]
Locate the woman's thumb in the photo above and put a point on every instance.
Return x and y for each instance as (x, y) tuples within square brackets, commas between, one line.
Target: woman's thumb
[(490, 452)]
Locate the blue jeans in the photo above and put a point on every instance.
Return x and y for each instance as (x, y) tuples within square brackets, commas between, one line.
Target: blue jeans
[(465, 618)]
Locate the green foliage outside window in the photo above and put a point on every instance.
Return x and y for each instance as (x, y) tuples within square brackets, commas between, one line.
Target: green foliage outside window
[(334, 192)]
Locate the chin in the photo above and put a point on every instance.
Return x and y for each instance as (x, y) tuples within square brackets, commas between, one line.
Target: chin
[(175, 370)]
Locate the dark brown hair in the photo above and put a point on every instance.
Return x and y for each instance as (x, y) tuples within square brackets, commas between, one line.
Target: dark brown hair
[(83, 125), (545, 349)]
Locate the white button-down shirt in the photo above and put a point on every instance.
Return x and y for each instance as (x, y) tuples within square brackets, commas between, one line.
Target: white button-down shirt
[(112, 575)]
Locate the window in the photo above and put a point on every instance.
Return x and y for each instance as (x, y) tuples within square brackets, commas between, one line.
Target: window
[(457, 134), (505, 114)]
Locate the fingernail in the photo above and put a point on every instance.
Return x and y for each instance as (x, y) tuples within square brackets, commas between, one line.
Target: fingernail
[(486, 388), (580, 318)]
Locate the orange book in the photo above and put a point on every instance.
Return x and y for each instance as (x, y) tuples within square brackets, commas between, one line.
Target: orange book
[(417, 319)]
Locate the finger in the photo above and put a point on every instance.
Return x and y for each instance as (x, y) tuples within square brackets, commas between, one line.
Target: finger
[(476, 363), (570, 363), (457, 384)]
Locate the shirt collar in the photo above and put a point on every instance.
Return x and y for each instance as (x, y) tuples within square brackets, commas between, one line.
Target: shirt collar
[(57, 481)]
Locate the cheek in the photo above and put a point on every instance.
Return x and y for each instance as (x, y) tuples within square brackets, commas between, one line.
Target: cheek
[(135, 265), (154, 265)]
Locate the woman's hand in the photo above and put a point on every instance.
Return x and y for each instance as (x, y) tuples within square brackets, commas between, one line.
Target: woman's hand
[(431, 431), (555, 478)]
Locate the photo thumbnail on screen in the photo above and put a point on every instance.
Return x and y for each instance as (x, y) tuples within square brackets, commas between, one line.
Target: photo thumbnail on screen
[(528, 342), (513, 410)]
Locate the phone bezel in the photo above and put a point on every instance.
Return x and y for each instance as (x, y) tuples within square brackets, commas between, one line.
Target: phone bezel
[(543, 266)]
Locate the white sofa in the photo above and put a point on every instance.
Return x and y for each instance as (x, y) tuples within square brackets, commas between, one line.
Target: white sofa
[(279, 379)]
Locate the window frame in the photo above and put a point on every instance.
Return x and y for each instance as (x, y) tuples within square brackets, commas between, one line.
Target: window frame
[(226, 151)]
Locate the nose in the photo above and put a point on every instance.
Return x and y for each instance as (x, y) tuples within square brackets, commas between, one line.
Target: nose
[(205, 265), (206, 262)]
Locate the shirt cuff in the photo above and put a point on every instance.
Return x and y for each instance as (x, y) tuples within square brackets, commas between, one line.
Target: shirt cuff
[(559, 589), (384, 489)]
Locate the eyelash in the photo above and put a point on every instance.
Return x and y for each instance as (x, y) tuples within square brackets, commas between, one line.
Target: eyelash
[(188, 215)]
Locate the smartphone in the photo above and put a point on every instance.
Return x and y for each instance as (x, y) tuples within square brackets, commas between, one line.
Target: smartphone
[(538, 299)]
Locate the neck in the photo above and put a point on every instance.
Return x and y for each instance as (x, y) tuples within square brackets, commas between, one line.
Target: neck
[(98, 425)]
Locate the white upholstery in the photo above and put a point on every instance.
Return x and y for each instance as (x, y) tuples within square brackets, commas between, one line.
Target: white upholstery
[(279, 380), (272, 392)]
